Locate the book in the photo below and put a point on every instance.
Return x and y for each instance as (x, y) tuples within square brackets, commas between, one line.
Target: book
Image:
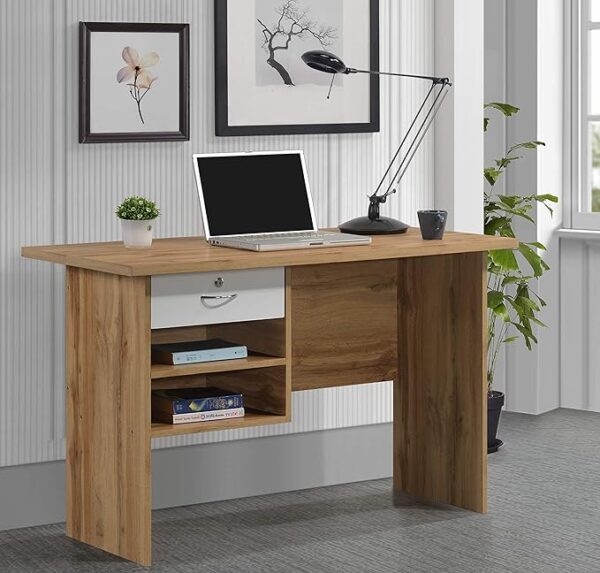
[(193, 352), (194, 400), (203, 416)]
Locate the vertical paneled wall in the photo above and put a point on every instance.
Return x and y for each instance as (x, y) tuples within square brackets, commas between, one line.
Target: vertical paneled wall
[(54, 190), (580, 324)]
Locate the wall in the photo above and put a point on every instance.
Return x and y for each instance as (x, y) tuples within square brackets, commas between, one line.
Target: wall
[(495, 90), (459, 40), (524, 43), (566, 371), (580, 321), (579, 280), (35, 494), (54, 190)]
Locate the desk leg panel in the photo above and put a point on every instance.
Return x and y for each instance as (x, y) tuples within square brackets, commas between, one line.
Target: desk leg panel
[(108, 413), (440, 413)]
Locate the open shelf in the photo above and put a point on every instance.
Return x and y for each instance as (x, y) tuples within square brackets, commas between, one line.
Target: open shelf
[(263, 378), (252, 418), (253, 361)]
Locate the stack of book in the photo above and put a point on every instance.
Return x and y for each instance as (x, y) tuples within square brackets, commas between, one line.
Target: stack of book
[(195, 405)]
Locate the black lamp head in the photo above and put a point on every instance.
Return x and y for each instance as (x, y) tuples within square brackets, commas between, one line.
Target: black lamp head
[(324, 62)]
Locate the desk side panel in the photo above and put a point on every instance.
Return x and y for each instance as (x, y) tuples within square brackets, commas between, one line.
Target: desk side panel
[(344, 325), (108, 413), (441, 395)]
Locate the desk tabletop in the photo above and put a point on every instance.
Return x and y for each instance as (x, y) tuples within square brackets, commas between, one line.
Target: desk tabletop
[(193, 254)]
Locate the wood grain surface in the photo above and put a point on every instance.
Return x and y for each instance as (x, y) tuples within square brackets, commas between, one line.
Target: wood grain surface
[(251, 419), (264, 390), (251, 363), (440, 395), (108, 413), (193, 254), (344, 325)]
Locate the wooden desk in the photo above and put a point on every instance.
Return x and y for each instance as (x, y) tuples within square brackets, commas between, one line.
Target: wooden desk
[(400, 309)]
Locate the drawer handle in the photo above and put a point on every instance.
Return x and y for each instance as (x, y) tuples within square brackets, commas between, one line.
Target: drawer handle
[(220, 299)]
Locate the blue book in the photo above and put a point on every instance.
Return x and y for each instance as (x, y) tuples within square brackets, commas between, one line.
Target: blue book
[(197, 351), (193, 400)]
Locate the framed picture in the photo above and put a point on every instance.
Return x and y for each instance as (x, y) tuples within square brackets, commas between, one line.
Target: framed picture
[(264, 88), (133, 82)]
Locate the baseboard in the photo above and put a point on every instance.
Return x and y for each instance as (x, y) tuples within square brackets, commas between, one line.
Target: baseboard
[(35, 494)]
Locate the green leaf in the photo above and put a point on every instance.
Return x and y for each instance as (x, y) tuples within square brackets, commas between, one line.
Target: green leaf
[(502, 312), (492, 226), (527, 302), (505, 258), (491, 174), (514, 279), (486, 123), (546, 197), (510, 200), (494, 298), (526, 332), (137, 208), (506, 161), (520, 212), (537, 245), (506, 231), (534, 260), (526, 145), (542, 302), (510, 339), (504, 108)]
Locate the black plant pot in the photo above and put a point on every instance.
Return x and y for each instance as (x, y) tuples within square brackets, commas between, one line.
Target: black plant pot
[(495, 404)]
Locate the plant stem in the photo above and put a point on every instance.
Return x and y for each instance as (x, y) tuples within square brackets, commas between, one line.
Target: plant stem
[(136, 96), (140, 111)]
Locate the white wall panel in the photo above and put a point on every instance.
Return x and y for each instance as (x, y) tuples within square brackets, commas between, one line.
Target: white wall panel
[(54, 190), (580, 324), (523, 56)]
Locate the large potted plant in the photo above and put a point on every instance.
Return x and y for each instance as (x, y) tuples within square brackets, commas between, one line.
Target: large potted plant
[(512, 306)]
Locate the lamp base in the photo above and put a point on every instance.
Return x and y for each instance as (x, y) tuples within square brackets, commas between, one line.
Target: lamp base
[(381, 226)]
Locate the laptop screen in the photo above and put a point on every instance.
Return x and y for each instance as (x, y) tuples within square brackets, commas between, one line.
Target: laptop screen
[(254, 193)]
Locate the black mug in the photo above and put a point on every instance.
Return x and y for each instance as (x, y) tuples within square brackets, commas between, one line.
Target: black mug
[(432, 224)]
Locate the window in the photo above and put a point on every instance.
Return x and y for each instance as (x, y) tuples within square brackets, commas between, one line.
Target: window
[(585, 116)]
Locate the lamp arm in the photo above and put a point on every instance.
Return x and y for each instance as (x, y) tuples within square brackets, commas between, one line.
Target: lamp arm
[(434, 79), (404, 139), (402, 169), (419, 136)]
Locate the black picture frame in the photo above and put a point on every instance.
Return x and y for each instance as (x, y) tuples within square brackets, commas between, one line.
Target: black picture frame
[(222, 127), (86, 29)]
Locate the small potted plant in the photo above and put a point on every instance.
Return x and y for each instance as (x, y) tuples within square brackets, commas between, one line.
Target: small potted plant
[(512, 306), (137, 215)]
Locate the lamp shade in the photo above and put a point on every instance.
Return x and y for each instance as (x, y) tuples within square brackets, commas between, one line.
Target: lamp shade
[(324, 62)]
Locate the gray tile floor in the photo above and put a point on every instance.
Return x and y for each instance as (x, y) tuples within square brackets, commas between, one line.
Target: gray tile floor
[(544, 517)]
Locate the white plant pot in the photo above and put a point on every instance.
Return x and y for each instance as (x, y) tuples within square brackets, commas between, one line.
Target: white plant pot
[(137, 234)]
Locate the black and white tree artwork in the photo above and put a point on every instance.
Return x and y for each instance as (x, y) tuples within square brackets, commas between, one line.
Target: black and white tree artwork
[(292, 21)]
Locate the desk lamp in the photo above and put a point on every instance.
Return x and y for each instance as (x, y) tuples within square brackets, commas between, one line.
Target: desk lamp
[(374, 224)]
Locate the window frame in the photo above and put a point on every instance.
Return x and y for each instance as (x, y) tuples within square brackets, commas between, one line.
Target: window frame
[(577, 154)]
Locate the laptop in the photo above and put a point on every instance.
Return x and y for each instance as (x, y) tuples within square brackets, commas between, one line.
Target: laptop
[(260, 201)]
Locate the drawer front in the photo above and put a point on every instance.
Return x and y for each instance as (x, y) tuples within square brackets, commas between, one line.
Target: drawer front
[(219, 297)]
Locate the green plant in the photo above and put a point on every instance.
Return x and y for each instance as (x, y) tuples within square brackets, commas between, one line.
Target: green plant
[(137, 209), (512, 306)]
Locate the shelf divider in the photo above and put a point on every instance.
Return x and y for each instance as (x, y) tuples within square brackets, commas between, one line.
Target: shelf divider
[(253, 361), (252, 418)]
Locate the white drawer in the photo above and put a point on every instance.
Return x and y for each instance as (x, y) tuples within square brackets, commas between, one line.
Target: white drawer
[(219, 297)]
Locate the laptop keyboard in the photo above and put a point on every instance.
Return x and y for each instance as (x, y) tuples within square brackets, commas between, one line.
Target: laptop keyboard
[(289, 236)]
